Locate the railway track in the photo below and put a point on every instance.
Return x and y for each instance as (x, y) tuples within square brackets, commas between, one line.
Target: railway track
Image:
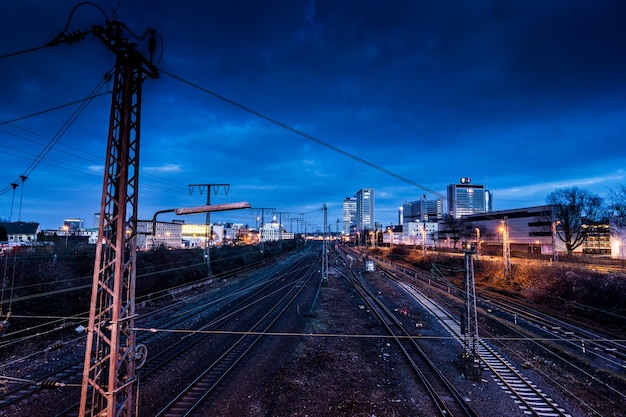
[(191, 398), (446, 399), (598, 357), (200, 314), (594, 343), (524, 392)]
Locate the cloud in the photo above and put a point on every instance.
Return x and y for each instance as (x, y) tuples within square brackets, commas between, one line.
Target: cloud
[(167, 168), (594, 184)]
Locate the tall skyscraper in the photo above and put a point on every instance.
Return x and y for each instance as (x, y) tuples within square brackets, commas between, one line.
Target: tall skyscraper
[(466, 198), (349, 214), (422, 210), (365, 209)]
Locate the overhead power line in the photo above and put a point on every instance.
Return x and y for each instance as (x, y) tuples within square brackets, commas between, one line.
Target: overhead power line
[(54, 140), (308, 136), (81, 101), (301, 133)]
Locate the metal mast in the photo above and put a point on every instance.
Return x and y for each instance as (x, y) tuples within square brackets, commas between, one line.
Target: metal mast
[(280, 226), (471, 319), (262, 236), (109, 382), (209, 226), (325, 248), (506, 248)]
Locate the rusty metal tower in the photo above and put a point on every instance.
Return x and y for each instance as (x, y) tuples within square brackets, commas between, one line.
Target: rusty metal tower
[(109, 385), (209, 226), (506, 248), (325, 248), (471, 357)]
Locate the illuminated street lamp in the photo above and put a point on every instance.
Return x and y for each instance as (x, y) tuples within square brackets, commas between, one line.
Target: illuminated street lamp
[(66, 229), (555, 223), (477, 241), (506, 246), (201, 209)]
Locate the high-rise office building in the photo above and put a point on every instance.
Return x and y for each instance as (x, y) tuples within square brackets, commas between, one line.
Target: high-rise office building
[(431, 210), (365, 209), (349, 214), (466, 198), (422, 210)]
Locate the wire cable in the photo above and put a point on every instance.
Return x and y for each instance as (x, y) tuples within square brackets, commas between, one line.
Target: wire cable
[(64, 128), (300, 133), (39, 113), (310, 137)]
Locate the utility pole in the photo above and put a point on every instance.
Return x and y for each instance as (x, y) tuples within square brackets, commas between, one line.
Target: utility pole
[(14, 186), (280, 226), (109, 383), (471, 319), (209, 227), (291, 220), (506, 248), (261, 237), (325, 248), (301, 222), (22, 178), (555, 223), (424, 253)]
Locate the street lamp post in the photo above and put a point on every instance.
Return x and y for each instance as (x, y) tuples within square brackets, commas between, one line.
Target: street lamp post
[(66, 229), (555, 223), (424, 252), (506, 247), (477, 241)]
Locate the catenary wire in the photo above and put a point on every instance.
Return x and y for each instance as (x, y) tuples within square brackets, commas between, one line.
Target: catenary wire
[(64, 128), (311, 138), (299, 132)]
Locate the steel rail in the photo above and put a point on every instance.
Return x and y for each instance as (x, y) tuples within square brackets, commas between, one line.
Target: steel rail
[(196, 392), (446, 399), (231, 303)]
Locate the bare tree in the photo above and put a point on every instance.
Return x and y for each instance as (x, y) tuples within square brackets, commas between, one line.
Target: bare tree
[(617, 206), (574, 209), (456, 229)]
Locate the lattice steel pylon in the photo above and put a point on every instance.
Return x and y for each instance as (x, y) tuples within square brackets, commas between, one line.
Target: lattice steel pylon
[(109, 381), (325, 248), (506, 248), (471, 319)]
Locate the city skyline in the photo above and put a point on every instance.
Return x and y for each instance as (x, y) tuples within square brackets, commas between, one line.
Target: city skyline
[(301, 104)]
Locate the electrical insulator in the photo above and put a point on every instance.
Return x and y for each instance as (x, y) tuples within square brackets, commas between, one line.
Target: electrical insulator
[(75, 37), (152, 43), (4, 325), (68, 325), (55, 346), (49, 383)]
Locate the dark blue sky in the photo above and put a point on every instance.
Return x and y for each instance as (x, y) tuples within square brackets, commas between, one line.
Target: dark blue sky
[(524, 97)]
